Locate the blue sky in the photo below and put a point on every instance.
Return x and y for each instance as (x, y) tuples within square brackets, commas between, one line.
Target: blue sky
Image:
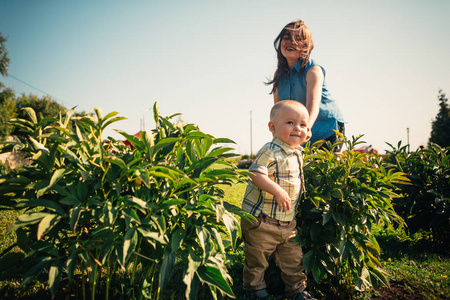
[(385, 61)]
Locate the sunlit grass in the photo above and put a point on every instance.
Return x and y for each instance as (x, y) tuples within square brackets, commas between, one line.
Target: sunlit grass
[(427, 273), (7, 238), (234, 194), (415, 261)]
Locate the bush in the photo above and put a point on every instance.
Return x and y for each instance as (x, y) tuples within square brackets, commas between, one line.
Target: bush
[(96, 211), (244, 163), (425, 203), (346, 195)]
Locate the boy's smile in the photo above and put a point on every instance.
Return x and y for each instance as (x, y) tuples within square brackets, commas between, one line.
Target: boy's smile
[(290, 123)]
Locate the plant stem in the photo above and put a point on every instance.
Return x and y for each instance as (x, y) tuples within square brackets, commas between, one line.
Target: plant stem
[(108, 279), (83, 285)]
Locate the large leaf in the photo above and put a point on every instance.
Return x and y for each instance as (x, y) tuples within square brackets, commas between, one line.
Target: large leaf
[(378, 275), (35, 270), (192, 285), (166, 272), (131, 138), (214, 277), (223, 141), (117, 161), (54, 276), (232, 227), (46, 224), (219, 241), (165, 142), (153, 235), (203, 236), (31, 114), (51, 205), (39, 146), (27, 219), (344, 249), (71, 261), (106, 124), (155, 112), (165, 172), (139, 203), (177, 239), (170, 203), (129, 244), (44, 247), (131, 215), (312, 263), (219, 151)]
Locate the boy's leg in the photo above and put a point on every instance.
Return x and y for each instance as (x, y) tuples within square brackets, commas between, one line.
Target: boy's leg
[(289, 258), (260, 242)]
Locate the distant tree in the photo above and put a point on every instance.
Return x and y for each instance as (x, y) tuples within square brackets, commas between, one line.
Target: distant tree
[(440, 127), (44, 107), (8, 111), (4, 59)]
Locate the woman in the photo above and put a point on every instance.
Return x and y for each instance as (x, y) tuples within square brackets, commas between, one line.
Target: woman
[(300, 78)]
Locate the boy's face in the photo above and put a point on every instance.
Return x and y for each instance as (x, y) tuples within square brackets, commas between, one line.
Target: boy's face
[(290, 125)]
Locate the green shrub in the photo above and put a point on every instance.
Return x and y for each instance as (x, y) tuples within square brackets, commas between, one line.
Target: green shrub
[(425, 203), (346, 195), (244, 163), (95, 210)]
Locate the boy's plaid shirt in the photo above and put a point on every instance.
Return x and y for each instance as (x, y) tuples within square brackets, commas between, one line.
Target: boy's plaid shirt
[(283, 164)]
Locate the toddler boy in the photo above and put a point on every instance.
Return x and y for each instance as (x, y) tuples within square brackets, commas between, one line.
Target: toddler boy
[(272, 196)]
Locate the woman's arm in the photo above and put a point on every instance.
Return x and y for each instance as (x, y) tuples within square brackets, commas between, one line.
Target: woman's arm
[(314, 82), (275, 97)]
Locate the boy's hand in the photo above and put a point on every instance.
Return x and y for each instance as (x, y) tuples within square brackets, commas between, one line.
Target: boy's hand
[(283, 200), (263, 182)]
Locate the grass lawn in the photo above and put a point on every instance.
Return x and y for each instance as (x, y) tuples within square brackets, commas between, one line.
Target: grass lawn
[(235, 193), (7, 238), (415, 263)]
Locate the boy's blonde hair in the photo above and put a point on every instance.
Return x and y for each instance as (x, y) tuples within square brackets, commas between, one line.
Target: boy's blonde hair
[(277, 107)]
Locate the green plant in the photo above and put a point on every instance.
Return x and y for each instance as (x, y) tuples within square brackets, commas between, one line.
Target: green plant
[(345, 195), (94, 210), (425, 203)]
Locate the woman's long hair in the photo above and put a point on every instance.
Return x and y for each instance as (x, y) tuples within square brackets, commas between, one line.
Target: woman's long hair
[(302, 36)]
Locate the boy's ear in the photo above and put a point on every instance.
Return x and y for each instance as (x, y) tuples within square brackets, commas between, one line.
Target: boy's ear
[(272, 126)]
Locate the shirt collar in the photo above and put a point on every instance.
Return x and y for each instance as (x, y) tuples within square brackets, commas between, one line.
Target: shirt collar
[(298, 65), (288, 149)]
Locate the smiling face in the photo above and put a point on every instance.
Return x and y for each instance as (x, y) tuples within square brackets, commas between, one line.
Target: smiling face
[(289, 122), (290, 48), (294, 42)]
